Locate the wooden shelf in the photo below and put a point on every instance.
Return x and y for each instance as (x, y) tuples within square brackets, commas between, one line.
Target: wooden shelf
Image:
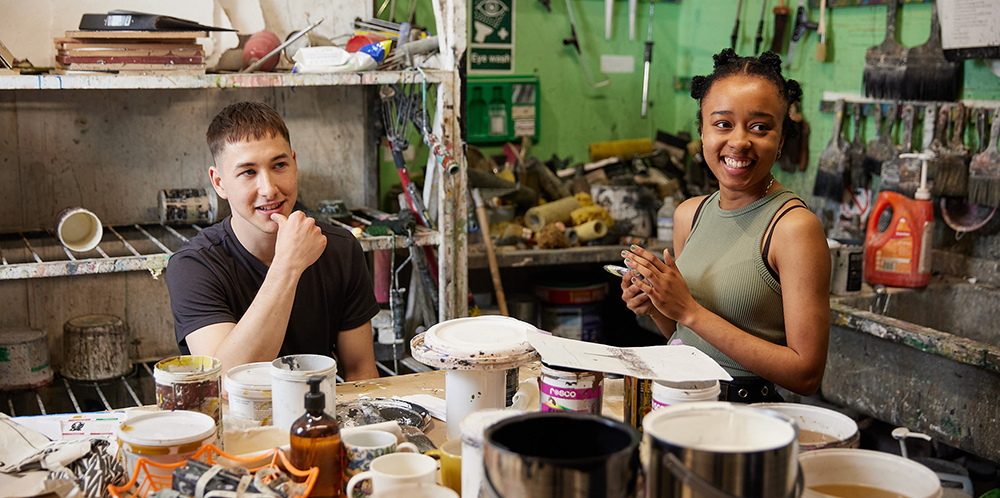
[(546, 257), (251, 80), (38, 254)]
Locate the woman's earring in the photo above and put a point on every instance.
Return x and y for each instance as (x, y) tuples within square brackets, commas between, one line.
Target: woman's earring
[(779, 154)]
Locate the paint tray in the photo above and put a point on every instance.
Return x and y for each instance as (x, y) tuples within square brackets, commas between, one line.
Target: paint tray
[(211, 455)]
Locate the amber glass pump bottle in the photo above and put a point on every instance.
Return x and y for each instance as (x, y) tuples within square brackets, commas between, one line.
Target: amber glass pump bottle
[(315, 439)]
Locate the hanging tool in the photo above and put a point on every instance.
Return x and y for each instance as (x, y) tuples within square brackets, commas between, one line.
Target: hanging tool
[(821, 32), (609, 8), (397, 114), (632, 4), (760, 29), (780, 19), (736, 26), (802, 25), (648, 57), (573, 40), (885, 63)]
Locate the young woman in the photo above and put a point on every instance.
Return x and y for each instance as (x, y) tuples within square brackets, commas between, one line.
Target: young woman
[(751, 279)]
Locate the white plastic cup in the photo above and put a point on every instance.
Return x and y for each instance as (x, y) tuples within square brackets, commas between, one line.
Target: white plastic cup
[(249, 388), (162, 437), (467, 391), (667, 393), (396, 469), (288, 386), (78, 229)]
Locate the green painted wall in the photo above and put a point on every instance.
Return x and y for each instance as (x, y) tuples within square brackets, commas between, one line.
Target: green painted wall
[(686, 35)]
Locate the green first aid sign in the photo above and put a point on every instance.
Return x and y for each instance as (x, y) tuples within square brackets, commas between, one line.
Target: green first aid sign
[(491, 36)]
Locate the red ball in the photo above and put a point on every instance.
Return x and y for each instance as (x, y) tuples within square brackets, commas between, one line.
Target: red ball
[(259, 45)]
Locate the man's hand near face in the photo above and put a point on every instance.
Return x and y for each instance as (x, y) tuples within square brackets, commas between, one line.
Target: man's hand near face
[(299, 243)]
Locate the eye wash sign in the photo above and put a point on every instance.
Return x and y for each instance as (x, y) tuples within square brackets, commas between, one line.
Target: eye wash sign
[(491, 47)]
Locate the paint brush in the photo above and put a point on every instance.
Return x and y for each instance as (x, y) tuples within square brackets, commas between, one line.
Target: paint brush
[(909, 173), (881, 149), (833, 162), (929, 76), (891, 169), (984, 172), (885, 64), (953, 167), (780, 23), (860, 178)]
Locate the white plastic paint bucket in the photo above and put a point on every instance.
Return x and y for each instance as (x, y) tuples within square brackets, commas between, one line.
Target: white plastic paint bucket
[(249, 388), (288, 386), (467, 391), (78, 229), (819, 428), (162, 437), (874, 469), (666, 393)]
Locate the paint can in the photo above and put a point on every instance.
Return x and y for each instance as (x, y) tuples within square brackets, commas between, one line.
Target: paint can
[(848, 267), (288, 386), (896, 475), (570, 390), (666, 393), (78, 229), (187, 206), (572, 309), (561, 455), (95, 347), (736, 449), (249, 389), (819, 428), (24, 359), (477, 353), (638, 400), (162, 438), (473, 428), (191, 383)]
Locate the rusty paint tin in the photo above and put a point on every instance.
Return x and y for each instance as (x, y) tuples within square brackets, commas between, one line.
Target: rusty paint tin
[(187, 206), (24, 359), (190, 383), (95, 347), (570, 390), (638, 400)]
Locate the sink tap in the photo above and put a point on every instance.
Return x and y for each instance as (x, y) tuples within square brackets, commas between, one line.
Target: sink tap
[(881, 300)]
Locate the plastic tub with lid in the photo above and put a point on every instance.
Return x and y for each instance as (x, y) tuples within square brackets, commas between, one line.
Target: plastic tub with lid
[(249, 389), (163, 437)]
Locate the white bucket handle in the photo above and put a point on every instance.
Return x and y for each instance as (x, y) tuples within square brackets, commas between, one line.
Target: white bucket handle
[(692, 479)]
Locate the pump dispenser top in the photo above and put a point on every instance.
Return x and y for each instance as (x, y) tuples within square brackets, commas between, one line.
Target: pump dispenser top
[(315, 399)]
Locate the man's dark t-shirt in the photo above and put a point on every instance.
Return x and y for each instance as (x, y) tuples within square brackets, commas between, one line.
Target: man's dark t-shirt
[(214, 279)]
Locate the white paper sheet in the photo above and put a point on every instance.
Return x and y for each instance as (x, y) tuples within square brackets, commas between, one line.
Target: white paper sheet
[(670, 363), (969, 23)]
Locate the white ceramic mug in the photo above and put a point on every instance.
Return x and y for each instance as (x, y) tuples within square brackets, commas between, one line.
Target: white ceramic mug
[(419, 490), (361, 447), (78, 229), (396, 469)]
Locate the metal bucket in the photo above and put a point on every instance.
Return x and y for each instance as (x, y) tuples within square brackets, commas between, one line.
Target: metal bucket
[(561, 455), (720, 450)]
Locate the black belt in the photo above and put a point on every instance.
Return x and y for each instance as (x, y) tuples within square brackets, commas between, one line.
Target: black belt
[(749, 390)]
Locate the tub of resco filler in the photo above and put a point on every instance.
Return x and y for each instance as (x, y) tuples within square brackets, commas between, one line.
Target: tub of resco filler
[(163, 437), (249, 388)]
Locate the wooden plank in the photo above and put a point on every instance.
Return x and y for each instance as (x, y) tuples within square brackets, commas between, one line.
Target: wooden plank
[(137, 35), (133, 52), (88, 43), (132, 67), (129, 60)]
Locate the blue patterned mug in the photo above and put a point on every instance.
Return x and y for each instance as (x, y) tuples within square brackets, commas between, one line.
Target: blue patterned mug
[(361, 447)]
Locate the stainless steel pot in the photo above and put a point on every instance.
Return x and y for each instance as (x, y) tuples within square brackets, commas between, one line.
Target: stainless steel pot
[(718, 449), (561, 455)]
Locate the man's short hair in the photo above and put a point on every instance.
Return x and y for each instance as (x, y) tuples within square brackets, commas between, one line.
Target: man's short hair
[(244, 121)]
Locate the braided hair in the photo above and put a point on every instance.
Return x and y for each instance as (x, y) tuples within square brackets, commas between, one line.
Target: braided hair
[(767, 66)]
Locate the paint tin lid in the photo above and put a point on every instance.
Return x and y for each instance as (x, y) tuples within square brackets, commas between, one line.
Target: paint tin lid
[(187, 368), (481, 335), (166, 428), (21, 335), (249, 377)]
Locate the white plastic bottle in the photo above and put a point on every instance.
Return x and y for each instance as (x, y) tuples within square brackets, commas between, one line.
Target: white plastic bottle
[(665, 220)]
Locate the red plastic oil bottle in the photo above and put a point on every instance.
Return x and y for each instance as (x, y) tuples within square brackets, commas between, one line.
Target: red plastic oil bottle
[(900, 256)]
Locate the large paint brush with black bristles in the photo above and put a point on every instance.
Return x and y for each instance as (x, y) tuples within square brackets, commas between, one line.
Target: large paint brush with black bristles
[(833, 161), (984, 172), (929, 76), (881, 148), (885, 64)]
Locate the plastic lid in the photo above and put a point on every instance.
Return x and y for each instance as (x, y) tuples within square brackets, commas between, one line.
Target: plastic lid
[(166, 428), (20, 335), (474, 425), (479, 336), (249, 377)]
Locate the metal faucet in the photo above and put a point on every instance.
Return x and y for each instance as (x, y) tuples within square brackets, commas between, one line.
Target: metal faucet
[(881, 300)]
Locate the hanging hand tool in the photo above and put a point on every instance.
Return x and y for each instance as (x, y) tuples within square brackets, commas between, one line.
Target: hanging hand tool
[(760, 29), (780, 18), (802, 25), (609, 8), (573, 40), (736, 26), (821, 32), (648, 57)]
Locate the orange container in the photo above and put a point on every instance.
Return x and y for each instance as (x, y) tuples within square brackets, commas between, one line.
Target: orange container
[(151, 482), (900, 256)]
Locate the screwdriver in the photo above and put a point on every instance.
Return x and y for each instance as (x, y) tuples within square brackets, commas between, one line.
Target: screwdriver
[(648, 56)]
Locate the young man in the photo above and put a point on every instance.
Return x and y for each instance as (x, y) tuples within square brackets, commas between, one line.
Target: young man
[(267, 281)]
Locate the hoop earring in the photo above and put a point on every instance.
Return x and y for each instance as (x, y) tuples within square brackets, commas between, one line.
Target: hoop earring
[(779, 154)]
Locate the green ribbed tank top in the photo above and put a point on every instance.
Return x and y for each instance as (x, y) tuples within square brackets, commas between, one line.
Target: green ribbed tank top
[(725, 272)]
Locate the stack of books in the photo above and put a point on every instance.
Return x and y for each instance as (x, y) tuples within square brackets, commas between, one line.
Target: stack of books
[(130, 52)]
